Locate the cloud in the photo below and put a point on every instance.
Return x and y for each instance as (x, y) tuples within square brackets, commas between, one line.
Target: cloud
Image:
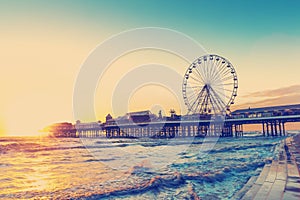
[(281, 96), (282, 100), (280, 92)]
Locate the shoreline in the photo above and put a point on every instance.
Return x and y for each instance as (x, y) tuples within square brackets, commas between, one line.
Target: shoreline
[(278, 180)]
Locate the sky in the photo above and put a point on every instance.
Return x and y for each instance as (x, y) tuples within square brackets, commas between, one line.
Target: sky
[(43, 45)]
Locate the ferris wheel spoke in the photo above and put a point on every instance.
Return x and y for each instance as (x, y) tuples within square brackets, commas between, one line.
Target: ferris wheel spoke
[(193, 87), (200, 100), (226, 78), (223, 84), (199, 73), (219, 98), (217, 76), (216, 79), (203, 107), (198, 97), (213, 104), (200, 76), (221, 72), (228, 73), (216, 66), (210, 67), (227, 89), (197, 94), (221, 87), (215, 99), (221, 67), (193, 91), (225, 98), (197, 80), (192, 82), (222, 93), (193, 96), (205, 68), (218, 101)]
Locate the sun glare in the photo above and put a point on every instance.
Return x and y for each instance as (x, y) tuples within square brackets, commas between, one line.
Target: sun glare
[(27, 134)]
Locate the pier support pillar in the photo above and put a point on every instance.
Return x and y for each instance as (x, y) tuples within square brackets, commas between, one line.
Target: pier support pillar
[(280, 128), (189, 131), (272, 129), (276, 128)]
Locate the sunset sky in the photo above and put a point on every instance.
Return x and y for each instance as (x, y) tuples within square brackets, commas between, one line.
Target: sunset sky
[(44, 43)]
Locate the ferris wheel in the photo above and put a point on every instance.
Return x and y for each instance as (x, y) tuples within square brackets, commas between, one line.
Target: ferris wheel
[(210, 85)]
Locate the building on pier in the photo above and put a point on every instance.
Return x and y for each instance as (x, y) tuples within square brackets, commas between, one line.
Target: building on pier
[(63, 129), (137, 117), (267, 111), (90, 129)]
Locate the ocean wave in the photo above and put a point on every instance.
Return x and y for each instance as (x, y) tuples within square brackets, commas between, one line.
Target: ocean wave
[(5, 165), (143, 167), (173, 180), (100, 160), (33, 147), (106, 145), (154, 183), (239, 147)]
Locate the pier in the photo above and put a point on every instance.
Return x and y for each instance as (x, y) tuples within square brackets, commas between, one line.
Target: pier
[(145, 124)]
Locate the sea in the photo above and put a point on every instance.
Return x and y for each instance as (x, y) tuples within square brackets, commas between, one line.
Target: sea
[(100, 168)]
